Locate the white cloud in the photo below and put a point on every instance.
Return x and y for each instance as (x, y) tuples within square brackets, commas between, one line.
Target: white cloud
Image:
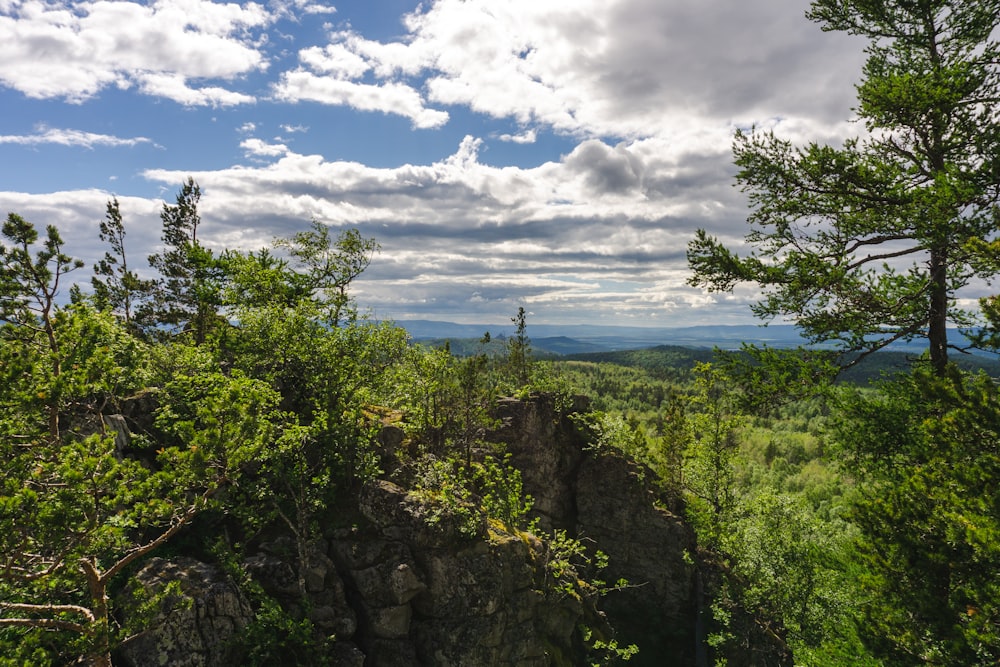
[(625, 68), (74, 50), (335, 60), (528, 137), (649, 92), (176, 88), (335, 74), (68, 137), (396, 98), (293, 8), (256, 147)]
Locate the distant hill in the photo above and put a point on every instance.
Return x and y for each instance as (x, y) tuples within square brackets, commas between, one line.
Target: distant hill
[(666, 361), (663, 351), (583, 338)]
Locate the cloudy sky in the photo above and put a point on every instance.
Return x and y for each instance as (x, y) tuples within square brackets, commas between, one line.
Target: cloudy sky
[(540, 153)]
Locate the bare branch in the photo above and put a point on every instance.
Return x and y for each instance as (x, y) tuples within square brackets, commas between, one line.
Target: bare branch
[(45, 608), (54, 623), (179, 522), (877, 258)]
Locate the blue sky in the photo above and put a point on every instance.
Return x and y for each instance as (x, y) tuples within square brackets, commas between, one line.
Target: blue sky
[(539, 153)]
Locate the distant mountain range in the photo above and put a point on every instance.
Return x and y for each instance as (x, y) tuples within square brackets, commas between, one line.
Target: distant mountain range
[(582, 338)]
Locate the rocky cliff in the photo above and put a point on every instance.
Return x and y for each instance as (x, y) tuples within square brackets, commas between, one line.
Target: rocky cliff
[(394, 588)]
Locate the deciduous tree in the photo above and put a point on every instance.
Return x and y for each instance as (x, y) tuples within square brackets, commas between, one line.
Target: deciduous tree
[(326, 267)]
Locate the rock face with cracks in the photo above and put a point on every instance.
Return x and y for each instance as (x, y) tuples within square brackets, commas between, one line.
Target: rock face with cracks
[(608, 502), (199, 623), (399, 589)]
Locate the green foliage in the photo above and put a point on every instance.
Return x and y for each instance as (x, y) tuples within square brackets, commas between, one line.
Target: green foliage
[(75, 514), (473, 398), (30, 283), (326, 377), (572, 569), (785, 497), (564, 557), (327, 267), (275, 637), (646, 416), (499, 486), (863, 245), (925, 450), (425, 383), (709, 473), (667, 363), (606, 651), (316, 271), (519, 349), (764, 378), (611, 432), (787, 566), (29, 287), (215, 423), (444, 483), (272, 415), (279, 394), (463, 496), (297, 330), (447, 399)]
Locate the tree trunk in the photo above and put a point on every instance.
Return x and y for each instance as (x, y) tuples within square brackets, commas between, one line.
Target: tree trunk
[(937, 330), (100, 651)]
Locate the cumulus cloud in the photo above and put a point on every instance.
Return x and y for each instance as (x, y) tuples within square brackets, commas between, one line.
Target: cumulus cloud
[(175, 87), (606, 169), (528, 137), (330, 75), (73, 50), (640, 98), (625, 68), (562, 235), (257, 147), (295, 8)]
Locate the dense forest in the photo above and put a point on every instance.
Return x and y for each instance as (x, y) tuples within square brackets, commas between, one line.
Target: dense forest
[(219, 402)]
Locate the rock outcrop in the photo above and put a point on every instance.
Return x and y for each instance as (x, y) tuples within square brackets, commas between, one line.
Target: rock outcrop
[(608, 502), (198, 625), (428, 593), (405, 583)]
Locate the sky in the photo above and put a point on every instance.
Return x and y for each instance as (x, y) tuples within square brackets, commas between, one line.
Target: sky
[(545, 154)]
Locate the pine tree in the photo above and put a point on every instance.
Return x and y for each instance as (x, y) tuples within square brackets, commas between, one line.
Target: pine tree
[(188, 295), (117, 287), (867, 244)]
